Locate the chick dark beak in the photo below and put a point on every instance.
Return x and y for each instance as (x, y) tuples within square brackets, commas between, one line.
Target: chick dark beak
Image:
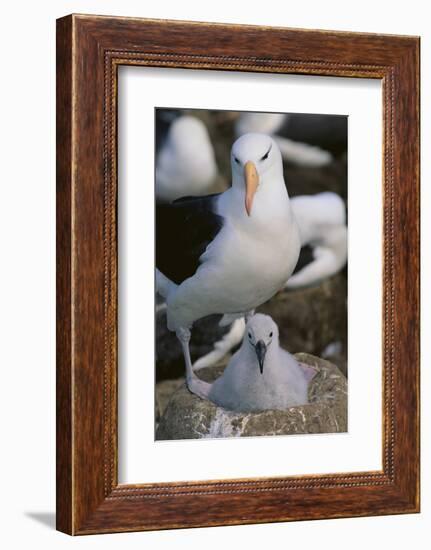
[(260, 348)]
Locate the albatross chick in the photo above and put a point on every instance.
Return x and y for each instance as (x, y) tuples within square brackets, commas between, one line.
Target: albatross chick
[(260, 375)]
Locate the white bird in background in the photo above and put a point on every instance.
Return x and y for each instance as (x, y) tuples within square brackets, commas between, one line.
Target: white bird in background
[(186, 163), (322, 225), (270, 123), (302, 154), (260, 375), (231, 252)]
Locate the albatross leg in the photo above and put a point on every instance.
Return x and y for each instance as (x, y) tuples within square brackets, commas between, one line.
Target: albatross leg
[(195, 384)]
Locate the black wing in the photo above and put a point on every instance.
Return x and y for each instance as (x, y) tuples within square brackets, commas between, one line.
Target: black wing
[(184, 229)]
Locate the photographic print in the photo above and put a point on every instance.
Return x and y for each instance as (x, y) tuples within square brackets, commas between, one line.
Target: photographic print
[(251, 273), (209, 303)]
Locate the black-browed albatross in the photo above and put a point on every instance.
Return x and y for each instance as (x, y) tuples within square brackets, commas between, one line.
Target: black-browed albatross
[(227, 253)]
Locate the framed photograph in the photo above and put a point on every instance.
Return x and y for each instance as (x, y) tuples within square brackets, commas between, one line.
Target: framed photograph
[(237, 274)]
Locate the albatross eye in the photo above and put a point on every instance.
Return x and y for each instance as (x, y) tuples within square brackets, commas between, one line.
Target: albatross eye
[(270, 334), (266, 155), (249, 335), (236, 160)]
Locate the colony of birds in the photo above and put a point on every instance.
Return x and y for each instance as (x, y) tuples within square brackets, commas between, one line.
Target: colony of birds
[(227, 246)]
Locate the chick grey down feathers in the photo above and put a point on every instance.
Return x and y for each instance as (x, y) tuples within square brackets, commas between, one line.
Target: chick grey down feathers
[(260, 375)]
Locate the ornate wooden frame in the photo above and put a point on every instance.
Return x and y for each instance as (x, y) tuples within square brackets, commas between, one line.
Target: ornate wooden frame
[(89, 51)]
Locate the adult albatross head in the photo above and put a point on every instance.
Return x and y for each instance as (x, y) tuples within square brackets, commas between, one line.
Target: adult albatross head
[(256, 163)]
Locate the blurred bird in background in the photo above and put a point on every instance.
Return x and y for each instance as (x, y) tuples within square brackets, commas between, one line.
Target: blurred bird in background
[(308, 140), (185, 163)]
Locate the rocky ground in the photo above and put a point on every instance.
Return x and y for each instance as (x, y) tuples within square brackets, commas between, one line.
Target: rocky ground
[(186, 416)]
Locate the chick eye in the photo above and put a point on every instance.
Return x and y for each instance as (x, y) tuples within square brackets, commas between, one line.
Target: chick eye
[(270, 334), (249, 335), (236, 160)]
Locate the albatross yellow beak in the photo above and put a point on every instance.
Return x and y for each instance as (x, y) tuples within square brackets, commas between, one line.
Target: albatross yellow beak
[(251, 182)]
